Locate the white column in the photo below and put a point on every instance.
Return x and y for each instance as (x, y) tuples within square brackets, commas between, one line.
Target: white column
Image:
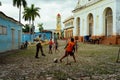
[(117, 18), (94, 24), (85, 25), (74, 29), (101, 23)]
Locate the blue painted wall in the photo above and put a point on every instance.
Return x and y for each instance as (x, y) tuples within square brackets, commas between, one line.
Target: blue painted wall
[(6, 39), (26, 37), (29, 37)]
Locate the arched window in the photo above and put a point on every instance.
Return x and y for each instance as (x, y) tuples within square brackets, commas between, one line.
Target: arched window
[(90, 24), (108, 22)]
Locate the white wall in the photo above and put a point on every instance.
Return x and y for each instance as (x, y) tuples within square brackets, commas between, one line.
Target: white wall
[(117, 17), (98, 12)]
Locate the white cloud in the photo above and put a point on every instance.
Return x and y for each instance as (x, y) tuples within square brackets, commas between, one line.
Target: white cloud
[(48, 12)]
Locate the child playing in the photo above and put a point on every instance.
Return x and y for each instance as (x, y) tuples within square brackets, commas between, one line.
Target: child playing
[(50, 46), (70, 49), (76, 46), (39, 46), (56, 45)]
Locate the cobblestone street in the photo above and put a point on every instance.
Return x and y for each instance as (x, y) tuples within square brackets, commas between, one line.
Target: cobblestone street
[(94, 62)]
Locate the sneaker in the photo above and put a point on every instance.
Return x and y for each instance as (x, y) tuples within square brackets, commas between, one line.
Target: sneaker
[(68, 63), (43, 55), (36, 57), (60, 60)]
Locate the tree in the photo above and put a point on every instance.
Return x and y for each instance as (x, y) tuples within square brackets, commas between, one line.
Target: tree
[(34, 12), (30, 13), (26, 28), (40, 27), (27, 14), (19, 4)]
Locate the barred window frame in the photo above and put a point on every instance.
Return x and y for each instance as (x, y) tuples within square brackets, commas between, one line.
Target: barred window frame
[(3, 30), (0, 29)]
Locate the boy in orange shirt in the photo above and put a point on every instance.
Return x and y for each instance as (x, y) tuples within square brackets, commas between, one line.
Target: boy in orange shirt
[(70, 49)]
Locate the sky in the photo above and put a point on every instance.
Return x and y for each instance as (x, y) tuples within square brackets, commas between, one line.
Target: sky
[(48, 11)]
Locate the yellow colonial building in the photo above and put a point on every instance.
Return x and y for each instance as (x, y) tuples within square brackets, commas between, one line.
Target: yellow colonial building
[(68, 27), (98, 18)]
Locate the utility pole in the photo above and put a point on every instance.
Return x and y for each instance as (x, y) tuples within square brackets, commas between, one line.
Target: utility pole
[(0, 3)]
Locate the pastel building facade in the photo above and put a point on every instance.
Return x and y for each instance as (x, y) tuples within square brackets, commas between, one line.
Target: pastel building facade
[(68, 27), (99, 19), (10, 33)]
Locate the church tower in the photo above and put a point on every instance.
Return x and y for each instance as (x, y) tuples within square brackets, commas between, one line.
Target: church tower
[(58, 26)]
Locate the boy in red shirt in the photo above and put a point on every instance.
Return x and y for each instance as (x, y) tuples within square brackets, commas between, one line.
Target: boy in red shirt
[(70, 49), (50, 46)]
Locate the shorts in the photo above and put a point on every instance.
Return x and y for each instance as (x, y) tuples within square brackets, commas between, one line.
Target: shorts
[(50, 47), (69, 53), (56, 47)]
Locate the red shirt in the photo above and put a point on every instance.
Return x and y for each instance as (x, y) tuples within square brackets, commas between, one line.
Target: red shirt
[(50, 43)]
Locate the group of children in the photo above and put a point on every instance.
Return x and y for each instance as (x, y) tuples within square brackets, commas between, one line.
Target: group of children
[(51, 43), (54, 45), (70, 48)]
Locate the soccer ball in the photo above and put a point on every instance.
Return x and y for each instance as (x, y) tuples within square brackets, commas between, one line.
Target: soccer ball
[(55, 60)]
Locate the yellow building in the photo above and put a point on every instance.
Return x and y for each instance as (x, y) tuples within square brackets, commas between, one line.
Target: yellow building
[(57, 32), (68, 27)]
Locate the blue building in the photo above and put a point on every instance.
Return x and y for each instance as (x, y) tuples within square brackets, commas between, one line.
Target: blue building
[(10, 33), (44, 35), (27, 37)]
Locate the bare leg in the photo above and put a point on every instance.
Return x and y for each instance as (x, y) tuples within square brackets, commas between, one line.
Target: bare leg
[(55, 50), (66, 54), (51, 51), (74, 58)]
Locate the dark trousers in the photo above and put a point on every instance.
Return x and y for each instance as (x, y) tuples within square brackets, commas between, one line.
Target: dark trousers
[(37, 51)]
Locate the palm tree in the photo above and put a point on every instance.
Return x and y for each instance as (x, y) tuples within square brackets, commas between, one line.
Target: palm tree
[(40, 27), (27, 14), (26, 28), (19, 4), (30, 14), (34, 12)]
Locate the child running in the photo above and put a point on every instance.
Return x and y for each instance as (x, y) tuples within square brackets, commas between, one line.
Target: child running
[(39, 46), (76, 46), (70, 49), (50, 46), (56, 45)]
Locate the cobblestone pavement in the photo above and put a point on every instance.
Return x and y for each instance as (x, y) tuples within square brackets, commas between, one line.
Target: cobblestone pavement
[(22, 65)]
